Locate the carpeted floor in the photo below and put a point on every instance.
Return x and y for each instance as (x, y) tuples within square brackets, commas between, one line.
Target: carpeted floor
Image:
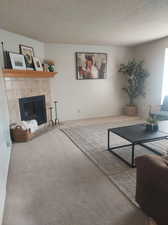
[(51, 182), (92, 140)]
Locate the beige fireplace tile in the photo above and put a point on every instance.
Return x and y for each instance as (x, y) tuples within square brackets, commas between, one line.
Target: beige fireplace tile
[(45, 85), (18, 93), (48, 100), (25, 87), (9, 94), (34, 84), (10, 78), (13, 108), (15, 84), (8, 85), (22, 92), (29, 92), (27, 83)]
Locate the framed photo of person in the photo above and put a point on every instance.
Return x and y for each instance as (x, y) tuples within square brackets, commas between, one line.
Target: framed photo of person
[(28, 53), (17, 61), (91, 65), (37, 64)]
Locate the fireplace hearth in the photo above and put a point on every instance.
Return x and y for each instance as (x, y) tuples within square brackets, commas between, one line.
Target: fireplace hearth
[(33, 108)]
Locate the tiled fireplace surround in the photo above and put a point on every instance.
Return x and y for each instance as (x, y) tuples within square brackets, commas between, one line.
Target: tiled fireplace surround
[(25, 87)]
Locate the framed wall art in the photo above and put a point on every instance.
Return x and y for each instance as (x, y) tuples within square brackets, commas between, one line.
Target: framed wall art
[(17, 61), (91, 65), (28, 53), (37, 64)]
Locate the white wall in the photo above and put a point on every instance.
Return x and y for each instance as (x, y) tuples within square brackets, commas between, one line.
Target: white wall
[(153, 54), (11, 42), (86, 98), (5, 145)]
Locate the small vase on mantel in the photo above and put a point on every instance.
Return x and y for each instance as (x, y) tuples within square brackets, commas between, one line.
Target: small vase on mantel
[(51, 68)]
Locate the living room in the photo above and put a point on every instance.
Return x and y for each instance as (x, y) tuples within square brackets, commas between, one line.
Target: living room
[(63, 173)]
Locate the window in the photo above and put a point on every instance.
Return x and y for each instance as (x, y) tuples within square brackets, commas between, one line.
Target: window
[(165, 76)]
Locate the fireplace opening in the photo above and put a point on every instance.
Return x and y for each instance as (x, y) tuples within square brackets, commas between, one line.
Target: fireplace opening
[(33, 108)]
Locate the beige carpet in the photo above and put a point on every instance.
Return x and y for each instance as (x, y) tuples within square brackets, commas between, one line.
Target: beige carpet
[(51, 182), (92, 140)]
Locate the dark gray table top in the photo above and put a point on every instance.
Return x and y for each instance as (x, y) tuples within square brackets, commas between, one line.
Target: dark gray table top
[(138, 133)]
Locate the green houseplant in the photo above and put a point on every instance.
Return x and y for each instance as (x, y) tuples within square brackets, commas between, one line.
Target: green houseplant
[(151, 124), (135, 76)]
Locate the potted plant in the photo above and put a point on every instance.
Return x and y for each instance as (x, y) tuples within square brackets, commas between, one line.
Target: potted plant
[(151, 124), (135, 75), (50, 64)]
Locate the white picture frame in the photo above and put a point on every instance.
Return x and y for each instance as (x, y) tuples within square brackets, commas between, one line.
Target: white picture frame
[(17, 61), (37, 64)]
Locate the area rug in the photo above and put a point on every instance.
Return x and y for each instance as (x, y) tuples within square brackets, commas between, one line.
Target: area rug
[(92, 140)]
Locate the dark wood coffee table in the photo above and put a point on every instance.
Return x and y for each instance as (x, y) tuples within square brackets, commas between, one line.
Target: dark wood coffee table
[(137, 135)]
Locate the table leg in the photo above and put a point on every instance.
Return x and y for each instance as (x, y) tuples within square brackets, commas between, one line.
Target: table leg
[(108, 141), (132, 162)]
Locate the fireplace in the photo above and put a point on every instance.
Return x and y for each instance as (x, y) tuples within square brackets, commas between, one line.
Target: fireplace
[(33, 108)]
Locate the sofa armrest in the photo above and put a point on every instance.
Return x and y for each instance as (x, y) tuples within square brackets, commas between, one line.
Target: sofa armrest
[(152, 171), (152, 186)]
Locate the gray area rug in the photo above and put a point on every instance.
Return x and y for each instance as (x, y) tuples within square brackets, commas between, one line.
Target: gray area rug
[(92, 140)]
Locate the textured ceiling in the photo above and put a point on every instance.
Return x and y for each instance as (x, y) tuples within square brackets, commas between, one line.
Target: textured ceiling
[(106, 22)]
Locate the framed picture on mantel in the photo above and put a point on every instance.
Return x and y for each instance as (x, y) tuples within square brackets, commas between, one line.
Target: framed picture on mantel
[(37, 64), (17, 61), (91, 65), (28, 53)]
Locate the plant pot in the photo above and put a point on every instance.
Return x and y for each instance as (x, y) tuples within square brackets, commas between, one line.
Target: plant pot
[(131, 110), (152, 127), (51, 68)]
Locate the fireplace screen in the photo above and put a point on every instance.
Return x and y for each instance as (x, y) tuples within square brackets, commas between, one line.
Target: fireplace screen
[(33, 108)]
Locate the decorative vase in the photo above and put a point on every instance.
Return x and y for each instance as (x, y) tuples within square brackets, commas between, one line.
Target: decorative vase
[(152, 127), (131, 110), (51, 68)]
